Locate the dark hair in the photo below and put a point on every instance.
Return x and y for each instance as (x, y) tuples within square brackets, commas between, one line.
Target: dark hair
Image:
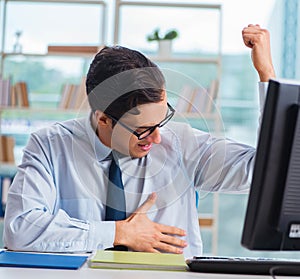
[(119, 79)]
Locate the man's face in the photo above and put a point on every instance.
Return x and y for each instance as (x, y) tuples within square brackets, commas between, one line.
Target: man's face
[(148, 115)]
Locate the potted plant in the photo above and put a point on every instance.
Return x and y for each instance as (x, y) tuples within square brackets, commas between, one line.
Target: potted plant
[(164, 40)]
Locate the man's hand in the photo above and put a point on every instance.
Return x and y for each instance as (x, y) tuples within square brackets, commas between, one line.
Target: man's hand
[(139, 233), (258, 40)]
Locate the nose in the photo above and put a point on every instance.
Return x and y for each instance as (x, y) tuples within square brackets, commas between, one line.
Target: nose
[(155, 136)]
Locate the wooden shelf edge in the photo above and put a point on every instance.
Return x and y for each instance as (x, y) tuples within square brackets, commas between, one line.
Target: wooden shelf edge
[(46, 110), (206, 222)]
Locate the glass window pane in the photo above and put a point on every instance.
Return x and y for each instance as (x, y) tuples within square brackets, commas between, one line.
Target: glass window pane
[(198, 28), (39, 24)]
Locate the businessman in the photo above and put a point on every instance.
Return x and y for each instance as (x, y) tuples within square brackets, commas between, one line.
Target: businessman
[(125, 176)]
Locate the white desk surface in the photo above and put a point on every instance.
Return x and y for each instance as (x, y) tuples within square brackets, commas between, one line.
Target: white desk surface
[(88, 273), (96, 273)]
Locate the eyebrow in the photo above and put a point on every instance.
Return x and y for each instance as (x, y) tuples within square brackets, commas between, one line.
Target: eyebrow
[(145, 127)]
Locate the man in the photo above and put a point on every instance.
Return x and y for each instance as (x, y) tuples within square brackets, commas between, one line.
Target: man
[(59, 201)]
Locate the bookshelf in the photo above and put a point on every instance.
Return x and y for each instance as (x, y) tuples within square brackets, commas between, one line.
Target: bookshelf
[(176, 58), (79, 51), (73, 47)]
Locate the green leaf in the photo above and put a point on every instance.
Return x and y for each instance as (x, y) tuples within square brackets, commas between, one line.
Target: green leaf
[(171, 35), (155, 36)]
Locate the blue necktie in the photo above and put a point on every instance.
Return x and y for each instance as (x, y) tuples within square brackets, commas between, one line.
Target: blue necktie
[(115, 200)]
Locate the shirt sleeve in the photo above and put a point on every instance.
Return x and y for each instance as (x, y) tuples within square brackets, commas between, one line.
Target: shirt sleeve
[(263, 88), (34, 222), (224, 164)]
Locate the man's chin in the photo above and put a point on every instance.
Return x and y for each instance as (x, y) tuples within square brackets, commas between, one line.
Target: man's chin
[(139, 154), (139, 151)]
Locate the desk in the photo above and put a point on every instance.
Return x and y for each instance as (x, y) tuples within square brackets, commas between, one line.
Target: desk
[(88, 273)]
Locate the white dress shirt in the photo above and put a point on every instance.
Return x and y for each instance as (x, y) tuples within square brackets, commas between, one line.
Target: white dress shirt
[(57, 200)]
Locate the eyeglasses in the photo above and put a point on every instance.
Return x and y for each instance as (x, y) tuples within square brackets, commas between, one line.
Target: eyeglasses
[(170, 113)]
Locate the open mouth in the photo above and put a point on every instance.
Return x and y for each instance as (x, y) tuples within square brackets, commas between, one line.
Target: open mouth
[(145, 147)]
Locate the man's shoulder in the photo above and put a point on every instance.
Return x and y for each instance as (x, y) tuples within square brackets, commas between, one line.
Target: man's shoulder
[(181, 129), (68, 127)]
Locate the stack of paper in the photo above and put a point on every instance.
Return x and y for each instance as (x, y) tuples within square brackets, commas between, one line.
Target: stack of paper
[(137, 260)]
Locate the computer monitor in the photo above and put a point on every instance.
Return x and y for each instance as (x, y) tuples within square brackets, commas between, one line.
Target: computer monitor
[(272, 220)]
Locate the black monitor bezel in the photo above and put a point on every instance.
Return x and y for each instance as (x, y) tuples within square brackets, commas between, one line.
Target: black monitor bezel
[(262, 230)]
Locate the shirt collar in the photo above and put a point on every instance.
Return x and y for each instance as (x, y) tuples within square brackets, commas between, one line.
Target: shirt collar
[(101, 151)]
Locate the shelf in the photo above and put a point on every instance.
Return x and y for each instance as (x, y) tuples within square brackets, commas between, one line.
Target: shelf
[(196, 115), (242, 104), (69, 54), (49, 113), (41, 110), (175, 5), (179, 59), (64, 1), (216, 61), (7, 169), (206, 220)]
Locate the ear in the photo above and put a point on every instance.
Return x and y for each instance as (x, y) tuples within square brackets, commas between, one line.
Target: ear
[(102, 119)]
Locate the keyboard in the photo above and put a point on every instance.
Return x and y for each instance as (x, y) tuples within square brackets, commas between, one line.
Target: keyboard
[(244, 265)]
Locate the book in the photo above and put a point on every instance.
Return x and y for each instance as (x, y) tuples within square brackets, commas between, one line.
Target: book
[(9, 152), (184, 101), (212, 93), (24, 94), (137, 260), (200, 100), (203, 99), (40, 260), (1, 198), (66, 94), (81, 96), (73, 96), (7, 144), (2, 149), (5, 92), (20, 94)]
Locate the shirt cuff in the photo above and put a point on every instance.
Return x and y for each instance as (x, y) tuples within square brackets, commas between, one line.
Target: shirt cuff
[(102, 235)]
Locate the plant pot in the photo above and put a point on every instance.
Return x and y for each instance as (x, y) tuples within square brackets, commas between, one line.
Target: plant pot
[(164, 48)]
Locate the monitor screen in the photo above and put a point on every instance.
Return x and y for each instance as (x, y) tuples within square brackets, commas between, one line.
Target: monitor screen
[(272, 220)]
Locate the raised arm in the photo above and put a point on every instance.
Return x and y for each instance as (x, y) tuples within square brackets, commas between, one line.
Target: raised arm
[(258, 39)]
